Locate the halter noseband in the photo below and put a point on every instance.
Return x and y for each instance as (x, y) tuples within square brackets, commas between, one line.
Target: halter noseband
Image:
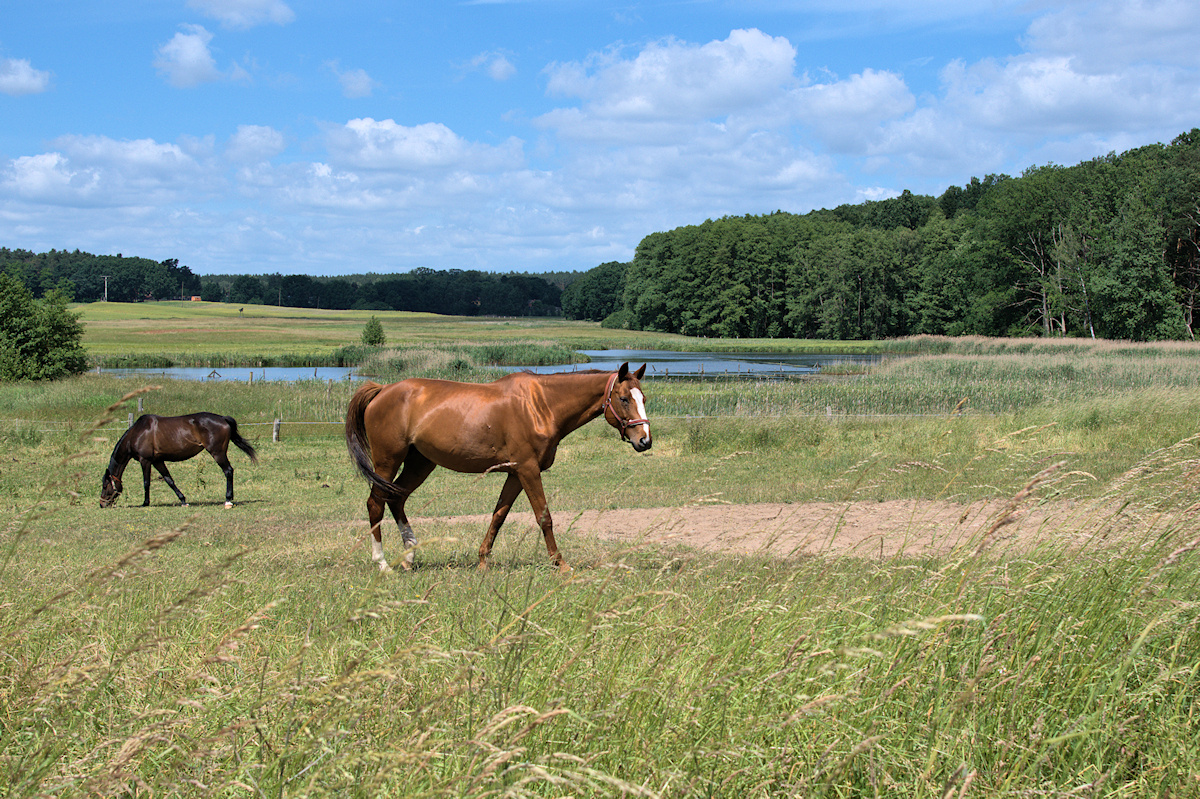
[(622, 424)]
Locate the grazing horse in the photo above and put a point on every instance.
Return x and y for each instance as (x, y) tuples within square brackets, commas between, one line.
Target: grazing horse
[(154, 440), (512, 425)]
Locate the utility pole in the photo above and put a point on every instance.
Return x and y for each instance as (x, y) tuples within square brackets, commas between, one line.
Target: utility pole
[(105, 287)]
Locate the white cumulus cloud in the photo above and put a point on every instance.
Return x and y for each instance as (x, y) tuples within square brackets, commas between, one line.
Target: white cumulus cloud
[(243, 14), (253, 143), (18, 77), (355, 82), (496, 65), (1107, 36), (386, 145), (677, 80), (185, 60)]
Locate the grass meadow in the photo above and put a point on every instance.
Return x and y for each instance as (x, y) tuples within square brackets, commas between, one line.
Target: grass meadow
[(254, 651)]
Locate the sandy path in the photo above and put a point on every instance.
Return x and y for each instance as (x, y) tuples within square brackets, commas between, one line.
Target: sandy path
[(864, 529)]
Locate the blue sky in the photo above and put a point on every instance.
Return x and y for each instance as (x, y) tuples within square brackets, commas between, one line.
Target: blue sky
[(303, 137)]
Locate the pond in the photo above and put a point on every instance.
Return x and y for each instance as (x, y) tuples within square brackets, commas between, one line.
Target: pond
[(243, 374), (668, 363), (659, 363)]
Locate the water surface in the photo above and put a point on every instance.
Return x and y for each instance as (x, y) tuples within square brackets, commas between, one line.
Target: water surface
[(659, 363)]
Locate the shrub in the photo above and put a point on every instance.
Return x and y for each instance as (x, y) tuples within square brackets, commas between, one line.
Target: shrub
[(39, 339), (618, 320), (373, 335)]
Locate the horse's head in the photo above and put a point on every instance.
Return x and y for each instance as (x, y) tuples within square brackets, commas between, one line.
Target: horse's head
[(625, 407), (110, 489)]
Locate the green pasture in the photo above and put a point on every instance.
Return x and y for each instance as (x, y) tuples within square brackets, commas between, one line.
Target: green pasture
[(224, 334), (254, 651)]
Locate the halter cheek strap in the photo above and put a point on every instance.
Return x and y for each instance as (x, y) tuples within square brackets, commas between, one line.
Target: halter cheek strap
[(622, 424)]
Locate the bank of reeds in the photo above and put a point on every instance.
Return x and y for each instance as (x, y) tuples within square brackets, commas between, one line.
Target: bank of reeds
[(469, 362), (232, 653), (940, 384)]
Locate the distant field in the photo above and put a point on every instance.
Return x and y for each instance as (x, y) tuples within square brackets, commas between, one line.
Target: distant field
[(224, 332)]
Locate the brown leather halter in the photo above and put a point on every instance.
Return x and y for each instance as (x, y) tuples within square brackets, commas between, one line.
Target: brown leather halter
[(622, 424)]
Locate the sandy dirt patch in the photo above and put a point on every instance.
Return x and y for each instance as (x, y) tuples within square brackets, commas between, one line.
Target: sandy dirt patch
[(859, 529)]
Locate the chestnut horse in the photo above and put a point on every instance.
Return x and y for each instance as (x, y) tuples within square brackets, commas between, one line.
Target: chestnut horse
[(154, 440), (512, 425)]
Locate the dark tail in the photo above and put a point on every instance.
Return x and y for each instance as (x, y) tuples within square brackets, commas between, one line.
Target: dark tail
[(356, 439), (242, 444)]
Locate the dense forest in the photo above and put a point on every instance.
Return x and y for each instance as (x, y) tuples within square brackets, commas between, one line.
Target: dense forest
[(1107, 248)]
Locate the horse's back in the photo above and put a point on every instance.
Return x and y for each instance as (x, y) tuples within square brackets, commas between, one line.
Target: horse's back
[(463, 426)]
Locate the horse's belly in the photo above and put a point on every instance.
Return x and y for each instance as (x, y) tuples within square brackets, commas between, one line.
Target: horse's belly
[(472, 458)]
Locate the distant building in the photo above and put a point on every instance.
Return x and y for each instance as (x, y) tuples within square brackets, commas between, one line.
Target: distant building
[(195, 298)]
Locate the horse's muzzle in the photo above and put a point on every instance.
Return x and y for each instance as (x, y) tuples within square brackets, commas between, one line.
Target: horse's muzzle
[(643, 442)]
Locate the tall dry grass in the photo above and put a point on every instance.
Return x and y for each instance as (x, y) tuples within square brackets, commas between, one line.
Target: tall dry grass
[(202, 652)]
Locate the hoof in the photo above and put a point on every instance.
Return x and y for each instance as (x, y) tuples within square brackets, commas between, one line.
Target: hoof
[(229, 504)]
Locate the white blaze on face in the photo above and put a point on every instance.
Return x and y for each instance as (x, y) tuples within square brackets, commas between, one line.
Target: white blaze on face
[(639, 401)]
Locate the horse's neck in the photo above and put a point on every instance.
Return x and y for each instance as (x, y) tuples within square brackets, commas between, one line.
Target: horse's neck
[(120, 457), (575, 400)]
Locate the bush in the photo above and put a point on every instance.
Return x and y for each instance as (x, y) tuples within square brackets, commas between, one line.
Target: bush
[(372, 334), (619, 320), (39, 339)]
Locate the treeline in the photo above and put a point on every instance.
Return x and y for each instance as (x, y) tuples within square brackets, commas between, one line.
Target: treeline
[(1108, 248), (88, 278), (455, 292)]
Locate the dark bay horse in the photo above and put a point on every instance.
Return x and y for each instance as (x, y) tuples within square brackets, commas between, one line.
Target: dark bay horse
[(511, 425), (154, 440)]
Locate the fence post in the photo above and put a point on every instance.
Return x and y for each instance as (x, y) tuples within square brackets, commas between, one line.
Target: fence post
[(275, 431), (130, 423), (139, 406)]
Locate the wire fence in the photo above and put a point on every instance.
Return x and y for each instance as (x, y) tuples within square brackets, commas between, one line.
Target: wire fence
[(53, 426)]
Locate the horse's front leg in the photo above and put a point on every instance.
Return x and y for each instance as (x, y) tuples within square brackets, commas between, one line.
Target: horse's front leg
[(146, 482), (532, 482), (162, 469), (508, 494)]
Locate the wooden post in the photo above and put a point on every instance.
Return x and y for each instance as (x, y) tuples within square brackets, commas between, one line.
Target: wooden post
[(275, 431), (139, 406), (251, 377), (130, 424)]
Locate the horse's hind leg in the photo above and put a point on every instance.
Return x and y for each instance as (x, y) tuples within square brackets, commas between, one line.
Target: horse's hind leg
[(162, 469), (375, 503), (222, 460), (417, 469)]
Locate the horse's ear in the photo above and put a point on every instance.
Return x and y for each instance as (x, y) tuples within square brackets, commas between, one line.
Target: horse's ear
[(623, 372), (641, 371)]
